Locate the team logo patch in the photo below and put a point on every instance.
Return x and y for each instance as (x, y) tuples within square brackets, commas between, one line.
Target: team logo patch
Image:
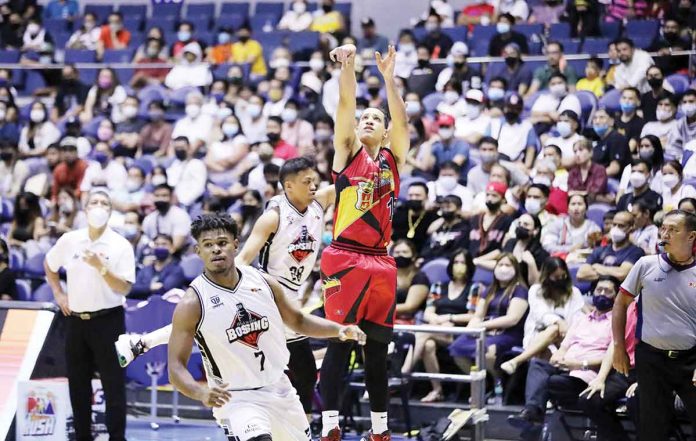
[(40, 418), (247, 327), (364, 199), (215, 300), (302, 246), (330, 287)]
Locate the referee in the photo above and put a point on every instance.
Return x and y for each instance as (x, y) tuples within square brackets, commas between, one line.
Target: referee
[(100, 269), (665, 285)]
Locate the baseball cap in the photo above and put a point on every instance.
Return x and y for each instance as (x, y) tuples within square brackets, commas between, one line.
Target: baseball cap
[(445, 120), (497, 187), (68, 143), (459, 48), (367, 22), (474, 95)]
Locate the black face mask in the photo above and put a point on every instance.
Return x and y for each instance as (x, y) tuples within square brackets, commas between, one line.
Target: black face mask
[(374, 91), (493, 206), (69, 83), (414, 205), (273, 137), (556, 285), (511, 117), (403, 262), (459, 65), (655, 83), (244, 38), (327, 8), (6, 156), (162, 206), (249, 210), (511, 61), (180, 154), (670, 36), (448, 215), (423, 63), (522, 233)]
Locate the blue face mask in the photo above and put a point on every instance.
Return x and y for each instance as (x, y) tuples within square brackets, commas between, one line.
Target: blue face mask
[(183, 35), (327, 237), (495, 94), (101, 157), (161, 253), (224, 38), (600, 130), (602, 303), (628, 107)]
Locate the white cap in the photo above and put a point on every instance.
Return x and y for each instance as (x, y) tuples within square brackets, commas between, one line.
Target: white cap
[(474, 95), (459, 48)]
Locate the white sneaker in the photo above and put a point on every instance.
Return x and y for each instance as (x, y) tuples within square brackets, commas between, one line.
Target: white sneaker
[(128, 348)]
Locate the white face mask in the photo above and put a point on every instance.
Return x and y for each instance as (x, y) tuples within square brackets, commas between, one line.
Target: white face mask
[(617, 235), (638, 179), (33, 28), (37, 115), (447, 182), (543, 180), (299, 7), (446, 133), (412, 108), (133, 184), (533, 206), (2, 114), (451, 97), (158, 180), (563, 128), (689, 109), (289, 115), (504, 273), (97, 217), (193, 110), (670, 181), (129, 111), (473, 111), (254, 110), (230, 129), (558, 90), (316, 64), (407, 47), (663, 115)]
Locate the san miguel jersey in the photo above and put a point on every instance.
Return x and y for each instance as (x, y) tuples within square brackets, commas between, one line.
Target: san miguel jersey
[(290, 253), (366, 191), (241, 334)]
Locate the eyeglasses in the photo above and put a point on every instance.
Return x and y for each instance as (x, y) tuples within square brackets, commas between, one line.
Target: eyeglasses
[(603, 291)]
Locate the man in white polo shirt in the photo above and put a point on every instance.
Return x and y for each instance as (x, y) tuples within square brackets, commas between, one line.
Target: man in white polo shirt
[(665, 285), (100, 268)]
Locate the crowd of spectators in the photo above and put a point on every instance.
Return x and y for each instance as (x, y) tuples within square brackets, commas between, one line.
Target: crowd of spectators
[(539, 202)]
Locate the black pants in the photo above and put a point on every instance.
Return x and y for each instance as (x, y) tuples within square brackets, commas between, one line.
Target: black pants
[(658, 377), (89, 347), (545, 381), (602, 411), (303, 371)]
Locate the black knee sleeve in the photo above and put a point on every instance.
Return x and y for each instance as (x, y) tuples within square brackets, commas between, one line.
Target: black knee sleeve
[(333, 374), (303, 371), (376, 375), (264, 437)]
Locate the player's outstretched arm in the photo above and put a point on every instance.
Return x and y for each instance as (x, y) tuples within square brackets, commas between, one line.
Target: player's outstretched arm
[(310, 325), (399, 139), (326, 196), (265, 225), (186, 317), (344, 129)]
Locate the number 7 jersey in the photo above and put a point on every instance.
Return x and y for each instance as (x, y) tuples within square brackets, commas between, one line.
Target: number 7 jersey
[(241, 334)]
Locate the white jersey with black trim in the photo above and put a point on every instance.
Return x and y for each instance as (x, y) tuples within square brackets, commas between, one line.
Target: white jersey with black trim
[(290, 253), (241, 334)]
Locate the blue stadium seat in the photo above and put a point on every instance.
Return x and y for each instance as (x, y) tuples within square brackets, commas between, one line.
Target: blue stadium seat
[(345, 8), (642, 29), (480, 47), (610, 30), (596, 211), (102, 11), (137, 38), (234, 21), (162, 21), (23, 290), (80, 56), (559, 31), (200, 10), (34, 267), (431, 101), (43, 293), (134, 23), (241, 8), (610, 100), (419, 33), (529, 29), (53, 25), (482, 276), (118, 55), (588, 102), (206, 37), (125, 74), (679, 82), (7, 213), (133, 11), (483, 34), (259, 21), (570, 46), (33, 80), (312, 6), (271, 40), (201, 23), (595, 46), (60, 39), (579, 66), (16, 260), (457, 33), (643, 42), (270, 8), (303, 41), (9, 56), (436, 270), (166, 10)]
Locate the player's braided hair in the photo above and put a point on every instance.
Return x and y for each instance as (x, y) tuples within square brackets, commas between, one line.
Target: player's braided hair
[(215, 221)]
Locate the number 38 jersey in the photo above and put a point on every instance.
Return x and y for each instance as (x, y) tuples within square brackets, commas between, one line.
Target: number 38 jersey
[(241, 334), (290, 253)]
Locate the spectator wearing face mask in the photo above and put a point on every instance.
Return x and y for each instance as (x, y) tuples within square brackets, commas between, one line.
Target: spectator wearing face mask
[(187, 175), (656, 89), (553, 154), (371, 41), (452, 103), (649, 149), (488, 228), (281, 148), (225, 157), (406, 57), (687, 123), (251, 117), (156, 134), (327, 19), (132, 196), (593, 81), (164, 274), (190, 71), (438, 43), (296, 131), (70, 171), (152, 54), (459, 71), (545, 174), (611, 150), (555, 63), (505, 35), (629, 123), (516, 73), (104, 98), (247, 50), (447, 183), (445, 147), (38, 134), (617, 258), (588, 177), (35, 37), (516, 137), (535, 202), (673, 187), (127, 134), (671, 40), (567, 127), (448, 233), (195, 126), (71, 94), (645, 233), (13, 171), (412, 218), (412, 285), (296, 18), (87, 35), (472, 125), (423, 77), (167, 219), (184, 36), (478, 176), (113, 35), (103, 172), (666, 128)]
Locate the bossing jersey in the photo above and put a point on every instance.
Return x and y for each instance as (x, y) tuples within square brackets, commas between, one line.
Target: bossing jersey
[(290, 253), (366, 191), (241, 334)]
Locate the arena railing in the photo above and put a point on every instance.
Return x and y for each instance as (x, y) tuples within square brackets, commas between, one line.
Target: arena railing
[(477, 377)]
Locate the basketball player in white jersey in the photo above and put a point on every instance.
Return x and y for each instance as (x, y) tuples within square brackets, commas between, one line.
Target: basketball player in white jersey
[(236, 316), (287, 238)]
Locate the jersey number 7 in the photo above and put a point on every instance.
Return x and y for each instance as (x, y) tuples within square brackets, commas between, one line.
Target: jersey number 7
[(263, 358)]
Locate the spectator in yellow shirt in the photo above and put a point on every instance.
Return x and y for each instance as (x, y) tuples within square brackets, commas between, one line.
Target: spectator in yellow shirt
[(249, 51), (327, 19), (593, 81)]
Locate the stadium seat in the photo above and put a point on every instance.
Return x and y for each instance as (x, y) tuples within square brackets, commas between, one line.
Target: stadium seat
[(118, 55), (200, 10), (346, 9), (53, 25), (588, 103), (33, 80), (457, 33), (482, 276), (166, 10), (431, 101), (9, 56), (679, 82), (206, 38), (596, 211), (23, 290), (610, 29), (270, 8), (133, 11), (260, 21), (643, 42), (80, 56), (483, 33), (7, 210), (34, 267), (241, 8), (642, 29), (570, 46), (436, 270), (124, 75), (559, 31), (200, 23), (43, 293), (16, 260), (610, 100), (579, 66), (529, 29), (303, 42), (166, 23), (234, 21), (102, 11), (593, 46), (134, 23)]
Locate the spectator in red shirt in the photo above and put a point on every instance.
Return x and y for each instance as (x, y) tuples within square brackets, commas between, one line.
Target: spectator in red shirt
[(281, 149), (150, 76), (113, 36), (587, 177), (184, 36), (70, 171)]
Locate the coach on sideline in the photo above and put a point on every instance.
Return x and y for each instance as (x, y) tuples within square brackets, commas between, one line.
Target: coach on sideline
[(665, 285), (100, 268)]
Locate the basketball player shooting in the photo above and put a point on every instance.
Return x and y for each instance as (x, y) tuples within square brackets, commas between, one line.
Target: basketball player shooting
[(235, 314), (358, 276)]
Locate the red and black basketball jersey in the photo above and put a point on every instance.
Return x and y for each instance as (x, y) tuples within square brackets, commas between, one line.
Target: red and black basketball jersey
[(366, 192)]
